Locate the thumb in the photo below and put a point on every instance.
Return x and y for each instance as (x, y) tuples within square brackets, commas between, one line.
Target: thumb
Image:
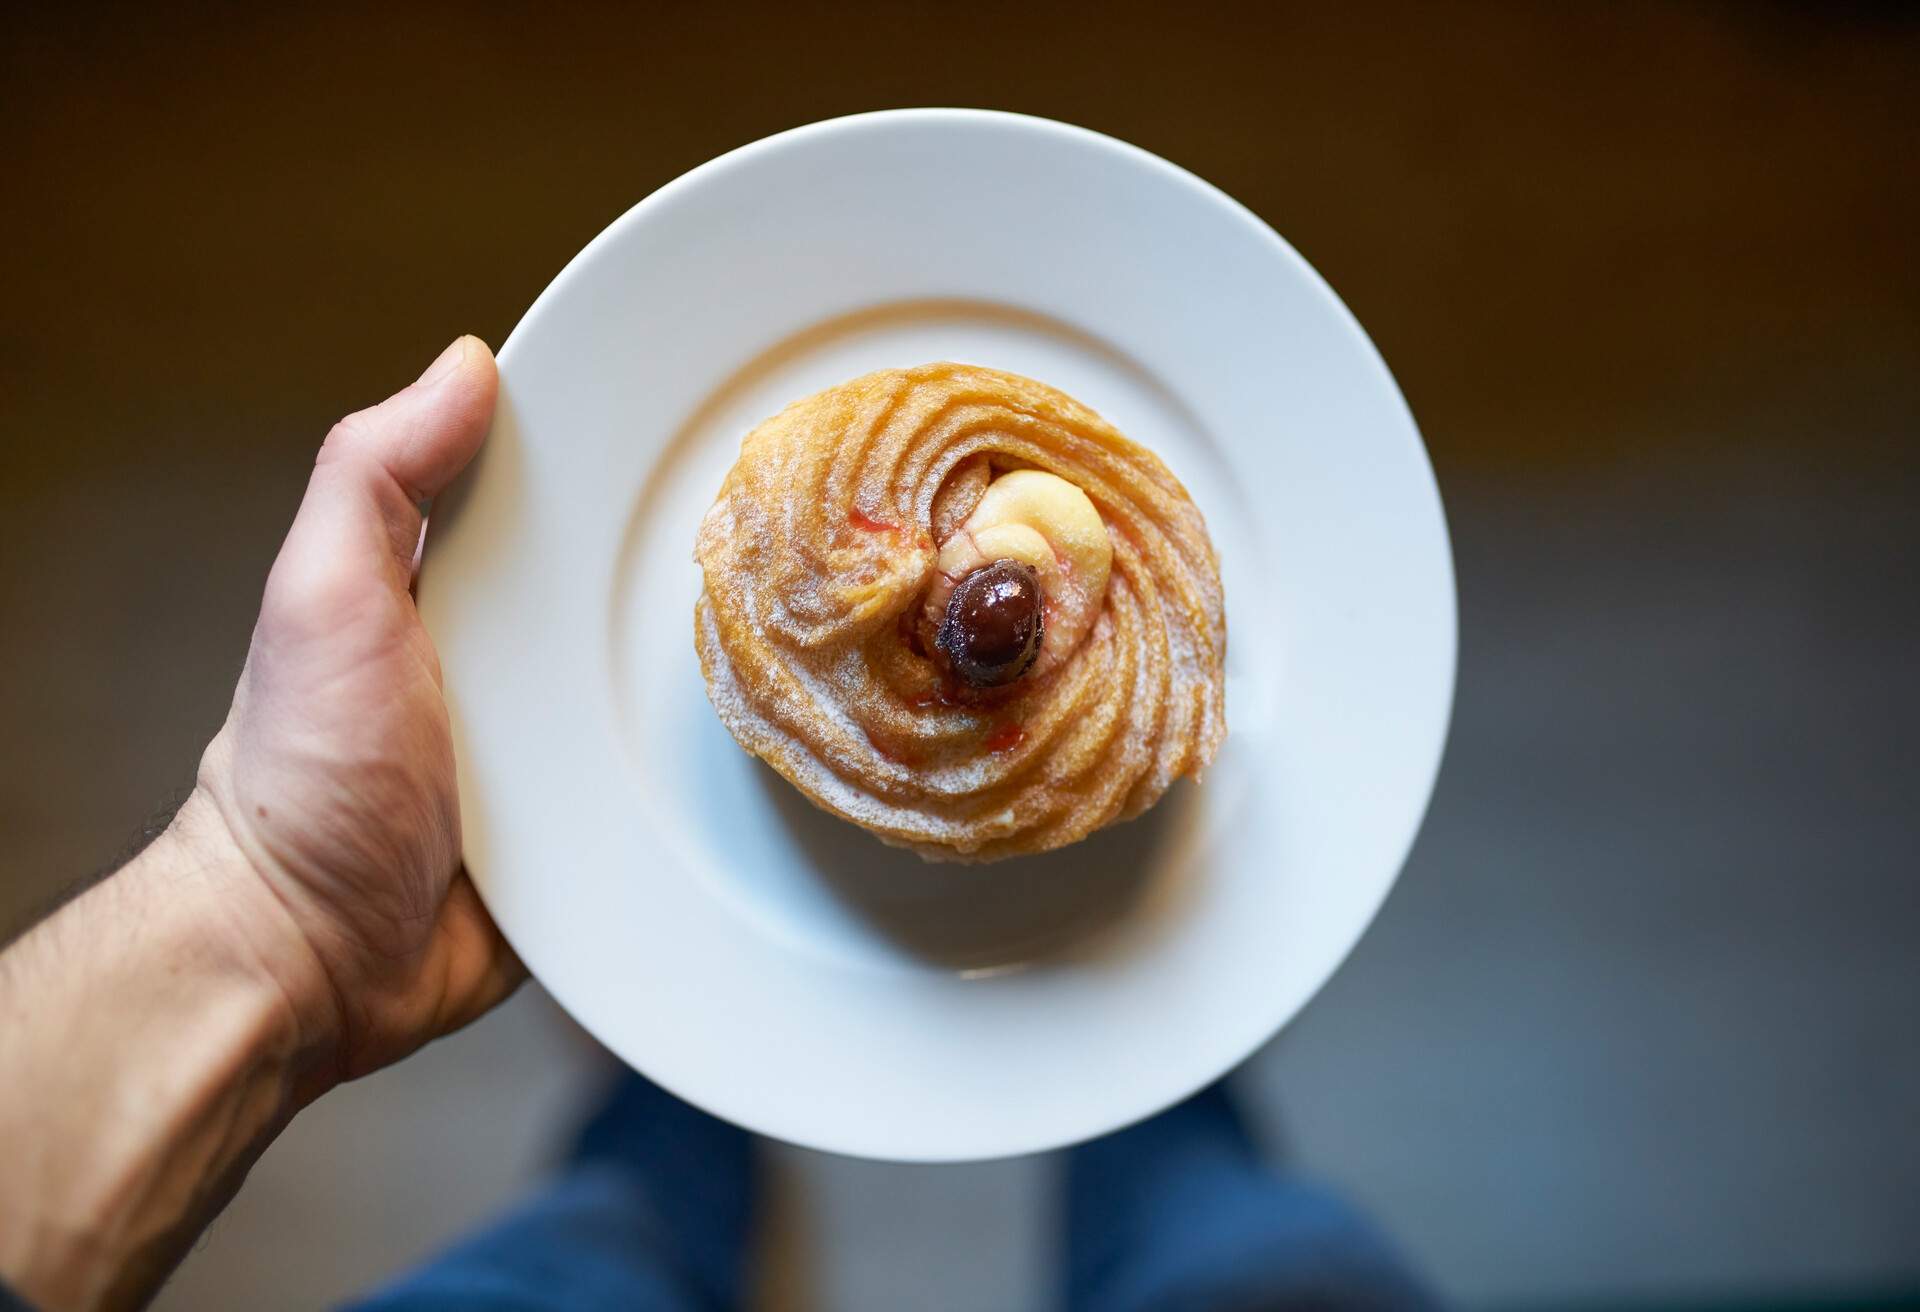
[(424, 435), (359, 522)]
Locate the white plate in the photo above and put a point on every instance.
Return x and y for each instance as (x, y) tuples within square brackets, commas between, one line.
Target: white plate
[(781, 968)]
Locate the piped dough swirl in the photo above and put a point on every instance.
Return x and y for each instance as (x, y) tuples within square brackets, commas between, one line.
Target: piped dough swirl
[(820, 552)]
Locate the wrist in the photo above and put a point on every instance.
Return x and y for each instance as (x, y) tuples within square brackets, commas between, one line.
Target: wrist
[(206, 881)]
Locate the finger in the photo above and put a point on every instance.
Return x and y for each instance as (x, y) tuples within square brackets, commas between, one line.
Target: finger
[(359, 522), (425, 434), (480, 970)]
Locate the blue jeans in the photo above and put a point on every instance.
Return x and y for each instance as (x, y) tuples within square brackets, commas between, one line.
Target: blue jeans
[(651, 1214)]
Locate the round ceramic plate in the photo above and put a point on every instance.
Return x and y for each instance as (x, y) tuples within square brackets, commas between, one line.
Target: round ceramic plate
[(777, 966)]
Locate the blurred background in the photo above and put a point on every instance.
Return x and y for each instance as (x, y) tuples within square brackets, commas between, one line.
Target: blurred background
[(1638, 1027)]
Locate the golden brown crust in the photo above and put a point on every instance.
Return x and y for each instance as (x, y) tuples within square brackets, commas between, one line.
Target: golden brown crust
[(817, 553)]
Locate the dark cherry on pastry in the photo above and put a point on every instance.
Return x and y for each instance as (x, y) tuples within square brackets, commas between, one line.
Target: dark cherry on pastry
[(991, 634)]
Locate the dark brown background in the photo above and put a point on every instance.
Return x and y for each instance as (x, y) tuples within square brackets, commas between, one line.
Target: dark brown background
[(1641, 1018)]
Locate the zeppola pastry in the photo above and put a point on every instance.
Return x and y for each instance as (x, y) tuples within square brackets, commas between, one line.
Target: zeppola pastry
[(956, 607)]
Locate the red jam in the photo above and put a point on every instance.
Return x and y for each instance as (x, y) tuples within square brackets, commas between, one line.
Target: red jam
[(887, 753), (861, 520), (1005, 738)]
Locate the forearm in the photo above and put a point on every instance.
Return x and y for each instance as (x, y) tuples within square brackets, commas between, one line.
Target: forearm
[(151, 1044)]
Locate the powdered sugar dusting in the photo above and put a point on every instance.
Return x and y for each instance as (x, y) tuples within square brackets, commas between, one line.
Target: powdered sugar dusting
[(824, 536)]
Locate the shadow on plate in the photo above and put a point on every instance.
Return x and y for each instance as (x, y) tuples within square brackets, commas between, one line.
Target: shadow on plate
[(979, 919)]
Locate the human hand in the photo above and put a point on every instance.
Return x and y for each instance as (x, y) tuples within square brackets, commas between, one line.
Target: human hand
[(303, 920), (333, 777)]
